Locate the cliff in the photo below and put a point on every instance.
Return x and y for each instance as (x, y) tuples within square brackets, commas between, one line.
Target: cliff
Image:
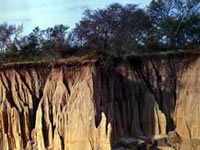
[(147, 102)]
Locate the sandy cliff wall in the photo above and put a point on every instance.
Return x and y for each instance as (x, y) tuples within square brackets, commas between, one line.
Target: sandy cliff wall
[(80, 106)]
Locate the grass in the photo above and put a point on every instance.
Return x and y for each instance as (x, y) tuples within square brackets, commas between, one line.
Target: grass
[(88, 54)]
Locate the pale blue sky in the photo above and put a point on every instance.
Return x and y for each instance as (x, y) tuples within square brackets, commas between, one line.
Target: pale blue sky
[(47, 13)]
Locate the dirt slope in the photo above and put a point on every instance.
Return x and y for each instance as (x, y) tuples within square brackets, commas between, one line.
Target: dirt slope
[(149, 102)]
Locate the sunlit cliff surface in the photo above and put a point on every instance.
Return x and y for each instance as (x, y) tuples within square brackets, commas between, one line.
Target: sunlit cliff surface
[(150, 102)]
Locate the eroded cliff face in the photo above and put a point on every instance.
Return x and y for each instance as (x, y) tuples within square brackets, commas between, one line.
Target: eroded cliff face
[(149, 102)]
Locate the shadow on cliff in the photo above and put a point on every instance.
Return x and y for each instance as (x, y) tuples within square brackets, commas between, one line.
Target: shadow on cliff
[(129, 95)]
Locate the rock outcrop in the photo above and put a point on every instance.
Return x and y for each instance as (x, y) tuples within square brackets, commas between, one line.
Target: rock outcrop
[(145, 103)]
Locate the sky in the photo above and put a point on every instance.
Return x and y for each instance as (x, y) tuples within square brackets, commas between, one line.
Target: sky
[(47, 13)]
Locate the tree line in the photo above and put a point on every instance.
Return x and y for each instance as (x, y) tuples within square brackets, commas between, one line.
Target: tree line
[(162, 25)]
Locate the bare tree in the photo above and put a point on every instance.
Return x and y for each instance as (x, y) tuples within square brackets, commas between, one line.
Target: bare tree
[(9, 35)]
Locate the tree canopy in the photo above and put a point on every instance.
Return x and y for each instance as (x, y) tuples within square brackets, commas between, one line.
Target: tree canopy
[(115, 27), (162, 25), (175, 22)]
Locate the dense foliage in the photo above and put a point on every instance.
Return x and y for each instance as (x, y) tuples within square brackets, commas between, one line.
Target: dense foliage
[(117, 29)]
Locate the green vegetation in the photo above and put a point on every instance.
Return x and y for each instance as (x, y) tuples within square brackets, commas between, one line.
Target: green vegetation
[(165, 26)]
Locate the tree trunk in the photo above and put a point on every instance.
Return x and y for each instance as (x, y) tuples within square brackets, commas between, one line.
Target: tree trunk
[(105, 42)]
